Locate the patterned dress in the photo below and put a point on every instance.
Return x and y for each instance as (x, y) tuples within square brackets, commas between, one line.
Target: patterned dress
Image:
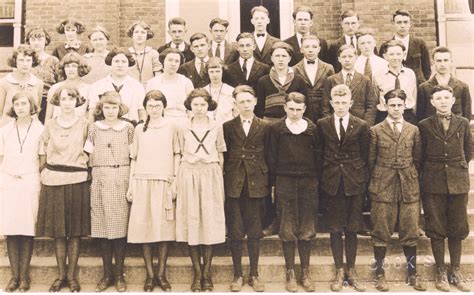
[(109, 149)]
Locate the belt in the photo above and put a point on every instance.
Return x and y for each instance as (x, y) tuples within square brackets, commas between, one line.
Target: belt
[(352, 156), (445, 160), (112, 166), (395, 165), (65, 168)]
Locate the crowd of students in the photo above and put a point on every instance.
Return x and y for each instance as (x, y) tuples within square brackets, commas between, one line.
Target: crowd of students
[(185, 144)]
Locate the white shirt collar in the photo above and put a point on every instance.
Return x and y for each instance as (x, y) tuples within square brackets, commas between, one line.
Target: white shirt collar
[(181, 46), (344, 73), (348, 39), (403, 39), (255, 35), (390, 121), (206, 59), (297, 127), (32, 80), (345, 119)]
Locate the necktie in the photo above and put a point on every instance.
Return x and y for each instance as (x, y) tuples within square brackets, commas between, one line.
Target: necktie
[(260, 35), (397, 81), (368, 69), (311, 62), (202, 67), (445, 119), (353, 42), (342, 131), (117, 88), (348, 79), (395, 129), (218, 50), (244, 68)]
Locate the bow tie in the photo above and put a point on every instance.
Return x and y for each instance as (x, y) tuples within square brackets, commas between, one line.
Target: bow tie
[(260, 35), (311, 62), (447, 117), (75, 45), (246, 121)]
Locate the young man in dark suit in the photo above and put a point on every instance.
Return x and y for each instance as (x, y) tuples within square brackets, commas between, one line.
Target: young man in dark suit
[(443, 63), (246, 184), (303, 21), (446, 142), (246, 70), (394, 161), (344, 145), (362, 89), (417, 56), (314, 72), (219, 47), (264, 41), (350, 24), (196, 69), (177, 30)]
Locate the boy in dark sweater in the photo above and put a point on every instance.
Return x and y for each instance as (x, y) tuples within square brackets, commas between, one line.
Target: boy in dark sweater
[(293, 162)]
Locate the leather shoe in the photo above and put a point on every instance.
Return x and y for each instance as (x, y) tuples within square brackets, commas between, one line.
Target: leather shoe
[(441, 282), (306, 281), (270, 230), (162, 281), (12, 285), (149, 285), (291, 285), (256, 284), (381, 283), (336, 285), (416, 282), (207, 284), (196, 285), (74, 286), (354, 282), (57, 285), (236, 284), (104, 283), (457, 279), (120, 284)]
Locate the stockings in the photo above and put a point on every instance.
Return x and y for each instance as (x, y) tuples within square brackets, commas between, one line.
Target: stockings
[(20, 250), (110, 248)]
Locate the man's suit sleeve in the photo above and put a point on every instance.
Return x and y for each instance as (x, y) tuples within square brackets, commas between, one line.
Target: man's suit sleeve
[(364, 142), (372, 149), (466, 102), (421, 102), (425, 60), (370, 103), (417, 148), (326, 98)]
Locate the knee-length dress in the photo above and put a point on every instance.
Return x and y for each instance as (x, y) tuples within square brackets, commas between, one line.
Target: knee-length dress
[(152, 215), (200, 192), (109, 149), (19, 178)]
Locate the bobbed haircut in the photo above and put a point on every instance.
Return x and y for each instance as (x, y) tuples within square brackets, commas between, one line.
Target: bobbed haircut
[(99, 29), (197, 36), (283, 45), (303, 9), (348, 13), (109, 97), (242, 89), (403, 12), (169, 50), (245, 35), (70, 58), (80, 27), (38, 32), (441, 49), (219, 21), (176, 21), (144, 25), (395, 93), (119, 50), (341, 90), (200, 92), (25, 50), (345, 47), (156, 95), (34, 109), (296, 97), (71, 91), (439, 88), (259, 8)]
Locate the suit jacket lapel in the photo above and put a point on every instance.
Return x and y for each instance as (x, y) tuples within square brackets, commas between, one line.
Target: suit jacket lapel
[(239, 129), (453, 126), (300, 67), (253, 70), (319, 73), (437, 128), (254, 127), (356, 80), (388, 130), (350, 128), (339, 78), (266, 47), (404, 132), (333, 127)]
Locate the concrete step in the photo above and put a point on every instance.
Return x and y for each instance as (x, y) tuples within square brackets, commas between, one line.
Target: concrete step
[(271, 269), (270, 246)]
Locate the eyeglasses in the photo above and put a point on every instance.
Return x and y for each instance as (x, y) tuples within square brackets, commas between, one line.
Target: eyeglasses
[(154, 107)]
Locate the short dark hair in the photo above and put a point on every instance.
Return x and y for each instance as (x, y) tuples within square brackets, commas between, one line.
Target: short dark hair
[(259, 8), (80, 27), (439, 88), (155, 95), (176, 21), (37, 32), (303, 9), (345, 47), (245, 35), (119, 50), (243, 88), (144, 25), (34, 109), (348, 13), (219, 21), (169, 50), (25, 50), (441, 49), (197, 36), (392, 43), (73, 57), (395, 93), (282, 45), (341, 90), (99, 29), (365, 31), (296, 97), (110, 97), (71, 91), (401, 12), (200, 92)]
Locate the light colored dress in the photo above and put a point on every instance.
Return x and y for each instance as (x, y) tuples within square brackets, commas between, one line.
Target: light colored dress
[(152, 216), (19, 178), (225, 103), (81, 111), (147, 62), (99, 70), (109, 149), (9, 86), (176, 91), (200, 216)]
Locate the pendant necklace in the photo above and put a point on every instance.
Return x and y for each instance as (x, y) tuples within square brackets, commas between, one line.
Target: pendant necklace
[(22, 142)]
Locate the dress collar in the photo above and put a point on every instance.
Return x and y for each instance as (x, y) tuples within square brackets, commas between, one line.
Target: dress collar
[(119, 127)]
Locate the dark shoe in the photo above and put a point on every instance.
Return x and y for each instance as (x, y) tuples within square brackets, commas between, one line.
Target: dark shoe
[(58, 285), (12, 285), (270, 230), (104, 283), (256, 284), (236, 284), (380, 283), (337, 284), (457, 279), (416, 282), (354, 282), (74, 286), (207, 284), (162, 281), (149, 285), (120, 284), (306, 281), (196, 285), (291, 285), (441, 282)]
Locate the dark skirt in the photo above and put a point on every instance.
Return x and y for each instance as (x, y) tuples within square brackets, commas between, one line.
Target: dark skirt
[(64, 211)]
